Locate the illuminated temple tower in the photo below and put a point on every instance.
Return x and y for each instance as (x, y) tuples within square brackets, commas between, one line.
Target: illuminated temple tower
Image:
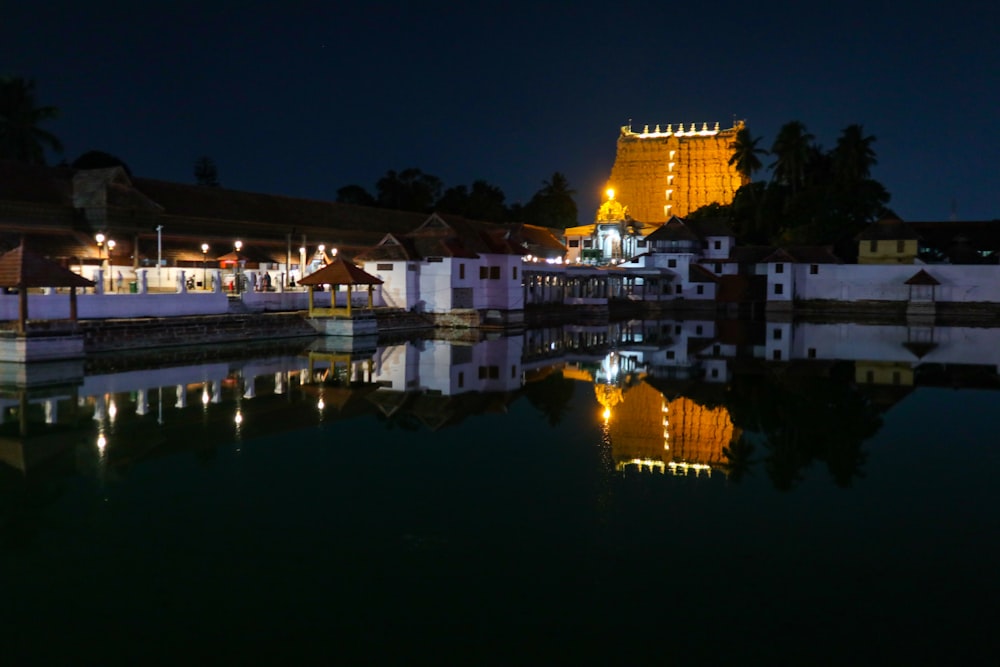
[(674, 170)]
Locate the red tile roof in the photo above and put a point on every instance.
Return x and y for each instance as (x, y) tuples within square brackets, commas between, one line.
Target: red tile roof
[(22, 268)]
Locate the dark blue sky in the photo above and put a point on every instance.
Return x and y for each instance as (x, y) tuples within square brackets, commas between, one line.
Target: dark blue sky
[(294, 100)]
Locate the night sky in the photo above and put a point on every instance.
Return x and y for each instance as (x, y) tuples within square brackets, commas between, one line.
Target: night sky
[(290, 99)]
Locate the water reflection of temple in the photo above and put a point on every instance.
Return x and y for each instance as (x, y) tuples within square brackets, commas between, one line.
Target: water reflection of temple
[(666, 386), (649, 432)]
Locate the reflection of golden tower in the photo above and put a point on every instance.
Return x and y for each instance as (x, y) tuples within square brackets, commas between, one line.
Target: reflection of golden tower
[(673, 170), (699, 434), (678, 436)]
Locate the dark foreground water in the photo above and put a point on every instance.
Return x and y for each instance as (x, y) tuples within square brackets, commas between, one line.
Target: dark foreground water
[(503, 525)]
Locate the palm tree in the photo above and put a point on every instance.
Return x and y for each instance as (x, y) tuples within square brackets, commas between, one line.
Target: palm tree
[(745, 154), (553, 205), (853, 156), (791, 148), (20, 137)]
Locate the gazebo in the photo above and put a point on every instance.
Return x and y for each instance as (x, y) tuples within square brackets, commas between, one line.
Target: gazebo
[(338, 272), (22, 269)]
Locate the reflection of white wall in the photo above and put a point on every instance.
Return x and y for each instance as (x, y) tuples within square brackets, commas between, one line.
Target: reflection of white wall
[(451, 368), (952, 345)]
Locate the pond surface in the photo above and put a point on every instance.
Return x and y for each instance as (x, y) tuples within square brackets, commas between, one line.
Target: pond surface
[(664, 491)]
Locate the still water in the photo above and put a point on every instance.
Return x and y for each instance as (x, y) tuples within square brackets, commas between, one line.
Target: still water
[(686, 492)]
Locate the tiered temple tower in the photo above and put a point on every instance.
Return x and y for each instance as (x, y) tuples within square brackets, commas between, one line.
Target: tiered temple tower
[(673, 170)]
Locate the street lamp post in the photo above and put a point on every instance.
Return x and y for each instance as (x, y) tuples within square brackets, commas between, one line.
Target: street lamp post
[(204, 265), (100, 250), (237, 273), (111, 248)]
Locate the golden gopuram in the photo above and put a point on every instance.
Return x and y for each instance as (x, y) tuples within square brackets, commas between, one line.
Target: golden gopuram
[(673, 170)]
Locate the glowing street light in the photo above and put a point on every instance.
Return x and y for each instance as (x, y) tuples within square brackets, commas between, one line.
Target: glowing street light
[(237, 273), (204, 270), (111, 248)]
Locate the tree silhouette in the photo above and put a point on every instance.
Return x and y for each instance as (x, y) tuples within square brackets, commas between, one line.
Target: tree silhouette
[(356, 195), (791, 150), (553, 205), (205, 172), (408, 190), (745, 154), (853, 156), (100, 160), (21, 138)]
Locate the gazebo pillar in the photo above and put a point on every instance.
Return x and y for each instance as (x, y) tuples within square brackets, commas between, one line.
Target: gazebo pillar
[(311, 297), (72, 304), (22, 308), (348, 299), (371, 302)]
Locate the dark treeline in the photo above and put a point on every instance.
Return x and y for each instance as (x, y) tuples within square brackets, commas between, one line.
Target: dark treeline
[(813, 196), (413, 190)]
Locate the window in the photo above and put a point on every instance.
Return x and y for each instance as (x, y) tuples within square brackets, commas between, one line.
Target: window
[(670, 354), (900, 245), (779, 268), (588, 243), (484, 272), (813, 269), (383, 267), (700, 289), (514, 272), (698, 329), (672, 263), (716, 350), (513, 372), (718, 267), (491, 372), (434, 260), (411, 267), (717, 245), (872, 246), (574, 243), (776, 355), (677, 289), (641, 243), (779, 289), (715, 372), (461, 271), (776, 334), (812, 353), (677, 330), (461, 379), (494, 273)]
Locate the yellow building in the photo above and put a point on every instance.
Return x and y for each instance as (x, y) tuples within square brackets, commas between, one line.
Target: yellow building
[(672, 170), (888, 241)]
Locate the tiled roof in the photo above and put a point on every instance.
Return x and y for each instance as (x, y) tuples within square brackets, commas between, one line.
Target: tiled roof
[(802, 255), (22, 268), (710, 227), (887, 229), (673, 230), (699, 274), (340, 272), (921, 277)]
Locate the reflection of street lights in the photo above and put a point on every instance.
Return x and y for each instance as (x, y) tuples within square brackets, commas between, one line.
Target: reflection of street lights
[(239, 265), (204, 270)]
